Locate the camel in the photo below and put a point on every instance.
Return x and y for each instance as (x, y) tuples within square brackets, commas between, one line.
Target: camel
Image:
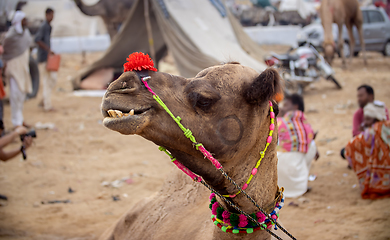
[(227, 109), (113, 12), (341, 12)]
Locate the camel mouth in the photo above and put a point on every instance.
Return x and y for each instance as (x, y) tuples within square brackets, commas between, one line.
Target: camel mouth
[(126, 121), (119, 114)]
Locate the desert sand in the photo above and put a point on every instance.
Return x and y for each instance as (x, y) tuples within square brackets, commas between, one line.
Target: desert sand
[(81, 154)]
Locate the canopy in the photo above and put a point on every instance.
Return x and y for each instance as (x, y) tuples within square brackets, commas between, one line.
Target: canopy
[(198, 33)]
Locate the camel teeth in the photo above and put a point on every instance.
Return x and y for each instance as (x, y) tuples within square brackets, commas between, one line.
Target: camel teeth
[(119, 113), (112, 113), (125, 114), (131, 113)]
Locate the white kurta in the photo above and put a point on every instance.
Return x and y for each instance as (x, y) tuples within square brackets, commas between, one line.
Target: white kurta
[(18, 68), (293, 171), (18, 75)]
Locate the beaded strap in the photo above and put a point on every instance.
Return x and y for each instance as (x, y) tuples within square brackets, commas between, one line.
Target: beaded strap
[(262, 153), (187, 132), (178, 164)]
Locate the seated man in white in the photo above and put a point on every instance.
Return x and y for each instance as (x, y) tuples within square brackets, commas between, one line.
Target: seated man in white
[(296, 147)]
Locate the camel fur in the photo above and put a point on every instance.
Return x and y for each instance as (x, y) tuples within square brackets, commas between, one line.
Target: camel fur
[(341, 12), (226, 107)]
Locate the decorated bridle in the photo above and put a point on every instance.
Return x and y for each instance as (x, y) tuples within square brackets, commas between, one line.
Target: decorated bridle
[(228, 222)]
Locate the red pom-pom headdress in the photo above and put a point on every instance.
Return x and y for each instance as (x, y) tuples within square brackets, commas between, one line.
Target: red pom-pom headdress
[(138, 61)]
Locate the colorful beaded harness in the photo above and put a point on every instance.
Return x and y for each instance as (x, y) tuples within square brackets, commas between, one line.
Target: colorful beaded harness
[(139, 62), (239, 223)]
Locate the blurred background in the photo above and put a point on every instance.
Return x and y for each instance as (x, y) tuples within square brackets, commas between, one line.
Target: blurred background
[(81, 177)]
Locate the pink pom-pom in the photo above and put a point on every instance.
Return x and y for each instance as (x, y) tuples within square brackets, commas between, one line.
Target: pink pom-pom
[(232, 196), (272, 127), (212, 196), (270, 103), (254, 171), (269, 226), (243, 221), (274, 216), (214, 208), (226, 220), (260, 217), (245, 186), (272, 114), (269, 139), (226, 214)]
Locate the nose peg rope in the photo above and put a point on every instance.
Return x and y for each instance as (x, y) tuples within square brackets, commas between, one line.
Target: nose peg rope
[(199, 146)]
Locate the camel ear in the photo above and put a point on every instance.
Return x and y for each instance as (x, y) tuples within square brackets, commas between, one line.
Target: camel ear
[(264, 87)]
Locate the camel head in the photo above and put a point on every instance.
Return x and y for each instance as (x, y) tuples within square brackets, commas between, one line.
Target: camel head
[(329, 50), (226, 107)]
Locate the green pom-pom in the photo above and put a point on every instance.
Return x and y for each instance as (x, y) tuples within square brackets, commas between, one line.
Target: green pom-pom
[(236, 231), (211, 206), (253, 215), (212, 216), (249, 230), (219, 212), (264, 226), (234, 218), (216, 223), (213, 200), (223, 228)]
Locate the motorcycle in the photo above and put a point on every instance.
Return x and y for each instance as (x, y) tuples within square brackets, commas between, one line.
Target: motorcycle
[(301, 68)]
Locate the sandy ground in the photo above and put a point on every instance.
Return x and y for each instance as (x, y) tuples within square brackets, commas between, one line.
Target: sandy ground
[(81, 154)]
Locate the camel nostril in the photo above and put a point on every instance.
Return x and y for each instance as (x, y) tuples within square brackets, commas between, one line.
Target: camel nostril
[(124, 90), (128, 82)]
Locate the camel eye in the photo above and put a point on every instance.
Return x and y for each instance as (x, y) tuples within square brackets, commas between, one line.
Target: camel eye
[(201, 102)]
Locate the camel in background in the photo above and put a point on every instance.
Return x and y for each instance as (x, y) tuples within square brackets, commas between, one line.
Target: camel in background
[(113, 12), (227, 109), (341, 12)]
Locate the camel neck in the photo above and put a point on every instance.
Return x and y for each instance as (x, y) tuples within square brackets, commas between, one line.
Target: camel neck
[(262, 189)]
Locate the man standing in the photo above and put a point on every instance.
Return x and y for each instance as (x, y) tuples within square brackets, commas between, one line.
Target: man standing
[(296, 148), (48, 78), (17, 44), (365, 95)]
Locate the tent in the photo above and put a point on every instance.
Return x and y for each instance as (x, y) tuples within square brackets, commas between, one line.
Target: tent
[(198, 33), (305, 9)]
